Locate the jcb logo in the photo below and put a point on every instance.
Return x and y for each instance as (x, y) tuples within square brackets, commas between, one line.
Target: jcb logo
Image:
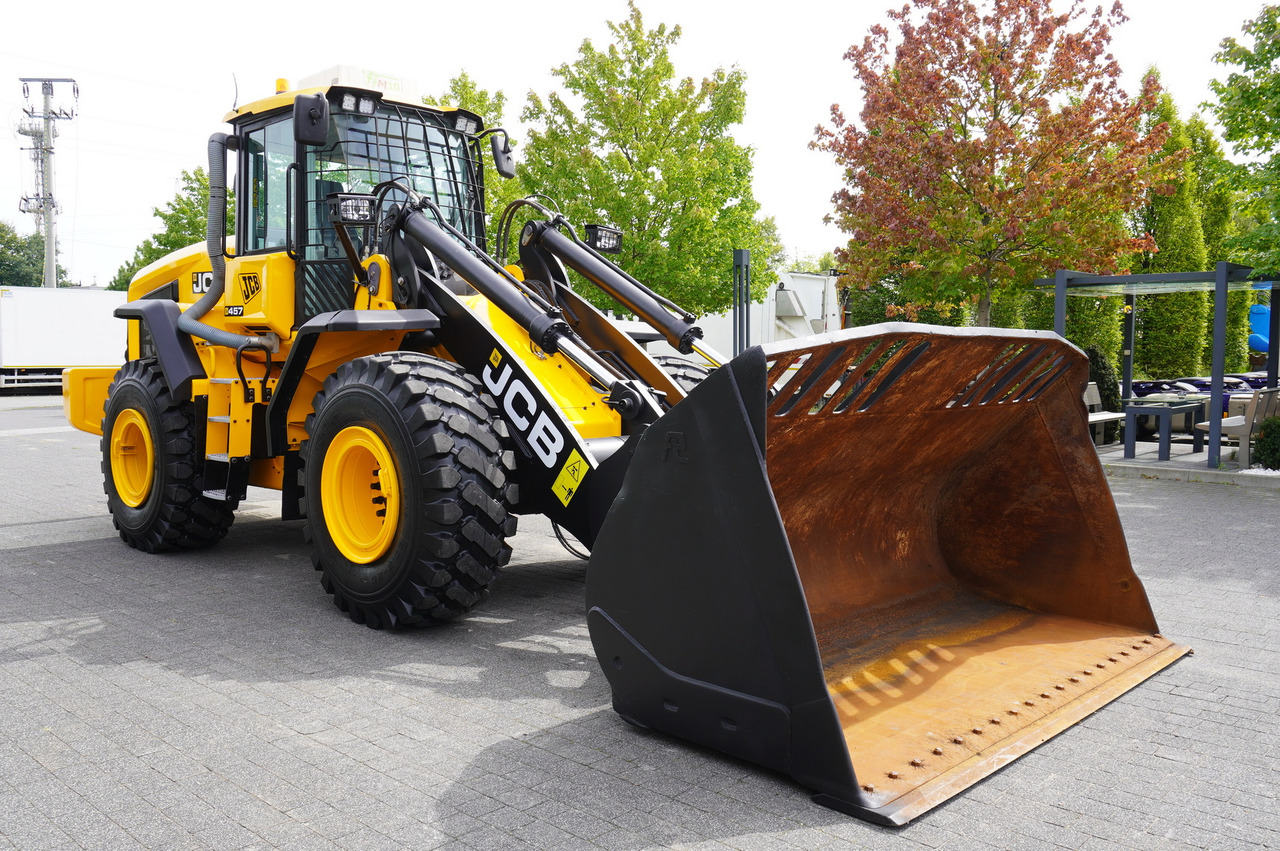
[(521, 409), (201, 282), (250, 286)]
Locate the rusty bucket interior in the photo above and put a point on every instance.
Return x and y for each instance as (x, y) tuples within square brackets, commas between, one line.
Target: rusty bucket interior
[(965, 571), (885, 562)]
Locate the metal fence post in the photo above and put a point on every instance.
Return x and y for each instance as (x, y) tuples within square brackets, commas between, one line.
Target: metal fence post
[(1060, 302), (1126, 352), (1219, 361), (741, 300)]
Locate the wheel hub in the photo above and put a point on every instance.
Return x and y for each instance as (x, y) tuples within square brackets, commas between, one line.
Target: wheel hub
[(360, 494), (132, 458)]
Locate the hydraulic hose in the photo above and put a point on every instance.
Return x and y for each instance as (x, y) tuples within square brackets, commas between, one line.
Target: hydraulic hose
[(215, 234)]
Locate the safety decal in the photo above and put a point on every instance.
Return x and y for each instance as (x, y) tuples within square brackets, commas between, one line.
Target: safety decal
[(495, 359), (566, 484)]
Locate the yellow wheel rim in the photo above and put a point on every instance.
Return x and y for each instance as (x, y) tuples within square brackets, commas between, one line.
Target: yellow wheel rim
[(360, 494), (133, 458)]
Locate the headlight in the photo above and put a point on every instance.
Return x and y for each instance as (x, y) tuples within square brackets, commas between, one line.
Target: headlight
[(352, 102), (351, 209), (604, 239)]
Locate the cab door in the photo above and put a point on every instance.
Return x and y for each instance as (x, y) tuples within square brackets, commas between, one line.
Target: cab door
[(260, 279)]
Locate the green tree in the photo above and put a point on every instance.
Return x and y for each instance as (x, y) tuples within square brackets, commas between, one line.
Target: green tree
[(994, 146), (1213, 191), (185, 220), (1008, 309), (21, 258), (465, 93), (652, 155), (1092, 323), (1170, 326), (883, 302), (1215, 199), (813, 265), (1248, 108)]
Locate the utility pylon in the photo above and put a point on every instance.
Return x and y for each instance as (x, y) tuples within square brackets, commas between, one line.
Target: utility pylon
[(41, 127)]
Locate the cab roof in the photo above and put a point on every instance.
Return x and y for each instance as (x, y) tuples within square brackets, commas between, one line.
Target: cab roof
[(284, 99)]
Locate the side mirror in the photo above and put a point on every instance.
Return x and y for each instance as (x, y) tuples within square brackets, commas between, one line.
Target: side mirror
[(503, 161), (311, 119)]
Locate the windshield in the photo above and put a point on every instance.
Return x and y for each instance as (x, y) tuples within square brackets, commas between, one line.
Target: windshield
[(412, 146)]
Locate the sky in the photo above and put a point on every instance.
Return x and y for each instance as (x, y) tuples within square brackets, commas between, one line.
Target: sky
[(153, 87)]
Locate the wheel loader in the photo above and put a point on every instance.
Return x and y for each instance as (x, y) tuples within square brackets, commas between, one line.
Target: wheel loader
[(883, 561)]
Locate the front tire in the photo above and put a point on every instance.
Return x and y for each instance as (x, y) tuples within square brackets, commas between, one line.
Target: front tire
[(685, 373), (151, 466), (407, 490)]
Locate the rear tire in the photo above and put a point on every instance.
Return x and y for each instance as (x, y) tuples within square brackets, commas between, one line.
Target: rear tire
[(407, 490), (151, 464)]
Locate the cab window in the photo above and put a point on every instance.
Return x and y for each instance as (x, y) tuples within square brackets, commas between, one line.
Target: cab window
[(269, 155)]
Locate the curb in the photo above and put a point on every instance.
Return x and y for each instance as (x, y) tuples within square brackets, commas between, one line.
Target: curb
[(1180, 474)]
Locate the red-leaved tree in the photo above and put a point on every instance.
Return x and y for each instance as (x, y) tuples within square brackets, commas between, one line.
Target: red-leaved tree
[(994, 145)]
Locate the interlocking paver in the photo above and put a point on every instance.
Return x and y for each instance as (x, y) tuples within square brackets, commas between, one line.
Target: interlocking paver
[(218, 700)]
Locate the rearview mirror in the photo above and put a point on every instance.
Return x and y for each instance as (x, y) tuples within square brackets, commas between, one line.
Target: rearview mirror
[(503, 161), (311, 119)]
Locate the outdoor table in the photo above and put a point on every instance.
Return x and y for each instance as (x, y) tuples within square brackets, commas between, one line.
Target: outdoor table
[(1164, 411)]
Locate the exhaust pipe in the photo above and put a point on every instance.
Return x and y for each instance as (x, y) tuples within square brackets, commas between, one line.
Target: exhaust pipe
[(215, 241)]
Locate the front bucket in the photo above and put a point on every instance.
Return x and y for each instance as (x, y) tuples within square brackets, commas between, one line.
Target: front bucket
[(884, 561)]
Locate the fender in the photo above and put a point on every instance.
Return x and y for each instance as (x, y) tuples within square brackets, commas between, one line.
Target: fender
[(304, 343), (174, 349)]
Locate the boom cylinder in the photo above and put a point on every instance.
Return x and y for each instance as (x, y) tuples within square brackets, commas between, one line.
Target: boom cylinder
[(546, 327), (680, 332), (543, 327)]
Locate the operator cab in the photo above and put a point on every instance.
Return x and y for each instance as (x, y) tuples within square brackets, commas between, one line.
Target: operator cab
[(299, 148)]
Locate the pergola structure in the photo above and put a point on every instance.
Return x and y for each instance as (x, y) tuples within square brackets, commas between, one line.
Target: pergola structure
[(1226, 277)]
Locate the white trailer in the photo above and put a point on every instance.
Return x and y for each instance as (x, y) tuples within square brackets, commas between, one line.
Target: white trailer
[(44, 331)]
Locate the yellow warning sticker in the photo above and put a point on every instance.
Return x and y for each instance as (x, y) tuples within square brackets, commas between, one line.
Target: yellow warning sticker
[(495, 358), (571, 474)]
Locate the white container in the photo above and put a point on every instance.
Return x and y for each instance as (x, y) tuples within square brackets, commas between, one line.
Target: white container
[(44, 331)]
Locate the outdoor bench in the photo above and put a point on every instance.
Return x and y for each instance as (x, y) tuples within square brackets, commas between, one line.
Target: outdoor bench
[(1098, 418), (1265, 403)]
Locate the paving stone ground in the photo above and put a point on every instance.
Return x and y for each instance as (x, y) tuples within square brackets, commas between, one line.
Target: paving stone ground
[(219, 700)]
